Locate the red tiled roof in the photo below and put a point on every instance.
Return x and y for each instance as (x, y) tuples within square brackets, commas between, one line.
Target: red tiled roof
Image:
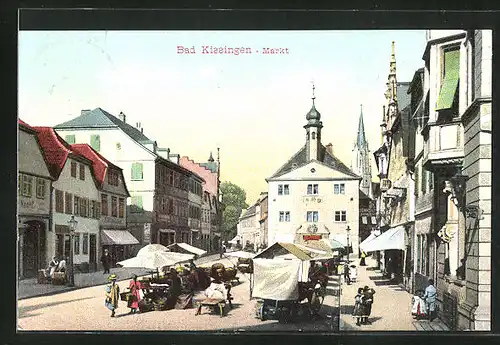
[(54, 148), (22, 123), (99, 163)]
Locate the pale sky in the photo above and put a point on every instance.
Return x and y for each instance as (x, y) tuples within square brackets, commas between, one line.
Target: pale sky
[(251, 106)]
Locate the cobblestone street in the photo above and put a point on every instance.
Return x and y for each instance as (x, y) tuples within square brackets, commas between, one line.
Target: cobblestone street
[(391, 309), (83, 310)]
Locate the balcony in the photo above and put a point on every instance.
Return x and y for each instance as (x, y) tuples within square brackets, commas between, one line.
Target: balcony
[(444, 145)]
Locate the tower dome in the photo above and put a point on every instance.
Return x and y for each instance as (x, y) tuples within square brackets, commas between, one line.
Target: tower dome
[(313, 116)]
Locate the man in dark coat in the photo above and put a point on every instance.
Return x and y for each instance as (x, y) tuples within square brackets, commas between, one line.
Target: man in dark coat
[(367, 303), (106, 261)]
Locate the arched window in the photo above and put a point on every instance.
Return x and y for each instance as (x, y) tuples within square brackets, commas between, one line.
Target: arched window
[(307, 135), (313, 135)]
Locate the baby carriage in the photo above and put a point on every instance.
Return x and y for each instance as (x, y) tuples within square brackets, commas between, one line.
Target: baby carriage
[(418, 309), (353, 273)]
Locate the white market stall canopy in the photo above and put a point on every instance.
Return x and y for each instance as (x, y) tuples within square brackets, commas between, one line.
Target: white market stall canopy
[(151, 248), (184, 247), (393, 238), (281, 249), (117, 237), (241, 254), (157, 259), (373, 235), (235, 240), (276, 279)]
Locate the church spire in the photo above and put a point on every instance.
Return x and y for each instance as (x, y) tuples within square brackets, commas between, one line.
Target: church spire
[(361, 139), (211, 158)]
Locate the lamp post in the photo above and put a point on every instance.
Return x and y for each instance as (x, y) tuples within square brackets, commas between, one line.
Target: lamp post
[(348, 247), (72, 228)]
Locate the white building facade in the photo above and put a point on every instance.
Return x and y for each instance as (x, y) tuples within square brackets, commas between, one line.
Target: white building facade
[(33, 203), (313, 195)]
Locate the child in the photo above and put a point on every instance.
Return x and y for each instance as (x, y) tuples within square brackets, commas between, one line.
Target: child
[(358, 306)]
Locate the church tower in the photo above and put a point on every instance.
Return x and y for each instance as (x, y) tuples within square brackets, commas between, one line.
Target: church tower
[(313, 132), (361, 162)]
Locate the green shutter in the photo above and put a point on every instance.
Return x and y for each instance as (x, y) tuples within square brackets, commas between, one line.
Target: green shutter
[(95, 142), (70, 139), (450, 81), (137, 171)]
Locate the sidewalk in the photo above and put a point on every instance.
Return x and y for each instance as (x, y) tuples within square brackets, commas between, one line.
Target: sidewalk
[(28, 288), (391, 310)]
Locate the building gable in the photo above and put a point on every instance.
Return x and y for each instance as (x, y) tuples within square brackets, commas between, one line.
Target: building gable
[(315, 170)]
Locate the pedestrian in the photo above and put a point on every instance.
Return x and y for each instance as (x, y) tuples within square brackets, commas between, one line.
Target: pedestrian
[(362, 262), (106, 261), (430, 299), (347, 276), (367, 303), (112, 294), (358, 311), (135, 295), (52, 267), (222, 250)]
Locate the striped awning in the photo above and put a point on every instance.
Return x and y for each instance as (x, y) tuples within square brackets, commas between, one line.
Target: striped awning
[(117, 237)]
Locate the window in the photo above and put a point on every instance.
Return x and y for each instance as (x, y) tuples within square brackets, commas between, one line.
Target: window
[(137, 202), (424, 256), (419, 253), (423, 185), (85, 244), (113, 177), (170, 177), (374, 220), (92, 209), (95, 142), (121, 208), (287, 216), (73, 169), (20, 184), (137, 173), (340, 216), (280, 189), (104, 204), (312, 189), (417, 176), (83, 207), (339, 188), (68, 201), (286, 189), (312, 216), (59, 201), (70, 139), (284, 216), (27, 185), (40, 188), (98, 210), (170, 206), (431, 180), (313, 135), (76, 205), (82, 172), (114, 206), (76, 240), (364, 219), (450, 74)]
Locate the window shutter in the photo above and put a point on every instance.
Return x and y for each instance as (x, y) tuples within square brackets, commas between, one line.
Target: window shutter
[(137, 171), (95, 142), (450, 81)]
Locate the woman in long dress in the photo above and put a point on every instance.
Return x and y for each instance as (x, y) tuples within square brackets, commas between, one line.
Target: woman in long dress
[(112, 295), (135, 296), (367, 302)]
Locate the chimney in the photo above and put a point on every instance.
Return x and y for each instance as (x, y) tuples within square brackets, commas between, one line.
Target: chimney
[(168, 154), (122, 116), (85, 111), (329, 148), (138, 126)]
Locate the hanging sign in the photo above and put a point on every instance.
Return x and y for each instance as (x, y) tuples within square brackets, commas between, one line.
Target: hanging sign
[(311, 237)]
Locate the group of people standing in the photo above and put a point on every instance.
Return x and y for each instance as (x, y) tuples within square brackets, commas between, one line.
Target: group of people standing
[(113, 295), (363, 305)]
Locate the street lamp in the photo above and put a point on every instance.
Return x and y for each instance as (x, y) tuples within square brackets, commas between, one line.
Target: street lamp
[(348, 248), (72, 227)]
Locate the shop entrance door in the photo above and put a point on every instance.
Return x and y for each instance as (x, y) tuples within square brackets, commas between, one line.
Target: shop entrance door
[(33, 248), (93, 252)]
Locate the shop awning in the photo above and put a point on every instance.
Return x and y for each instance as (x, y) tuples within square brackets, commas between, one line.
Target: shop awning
[(235, 239), (372, 236), (393, 238), (450, 82), (188, 248), (117, 237)]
